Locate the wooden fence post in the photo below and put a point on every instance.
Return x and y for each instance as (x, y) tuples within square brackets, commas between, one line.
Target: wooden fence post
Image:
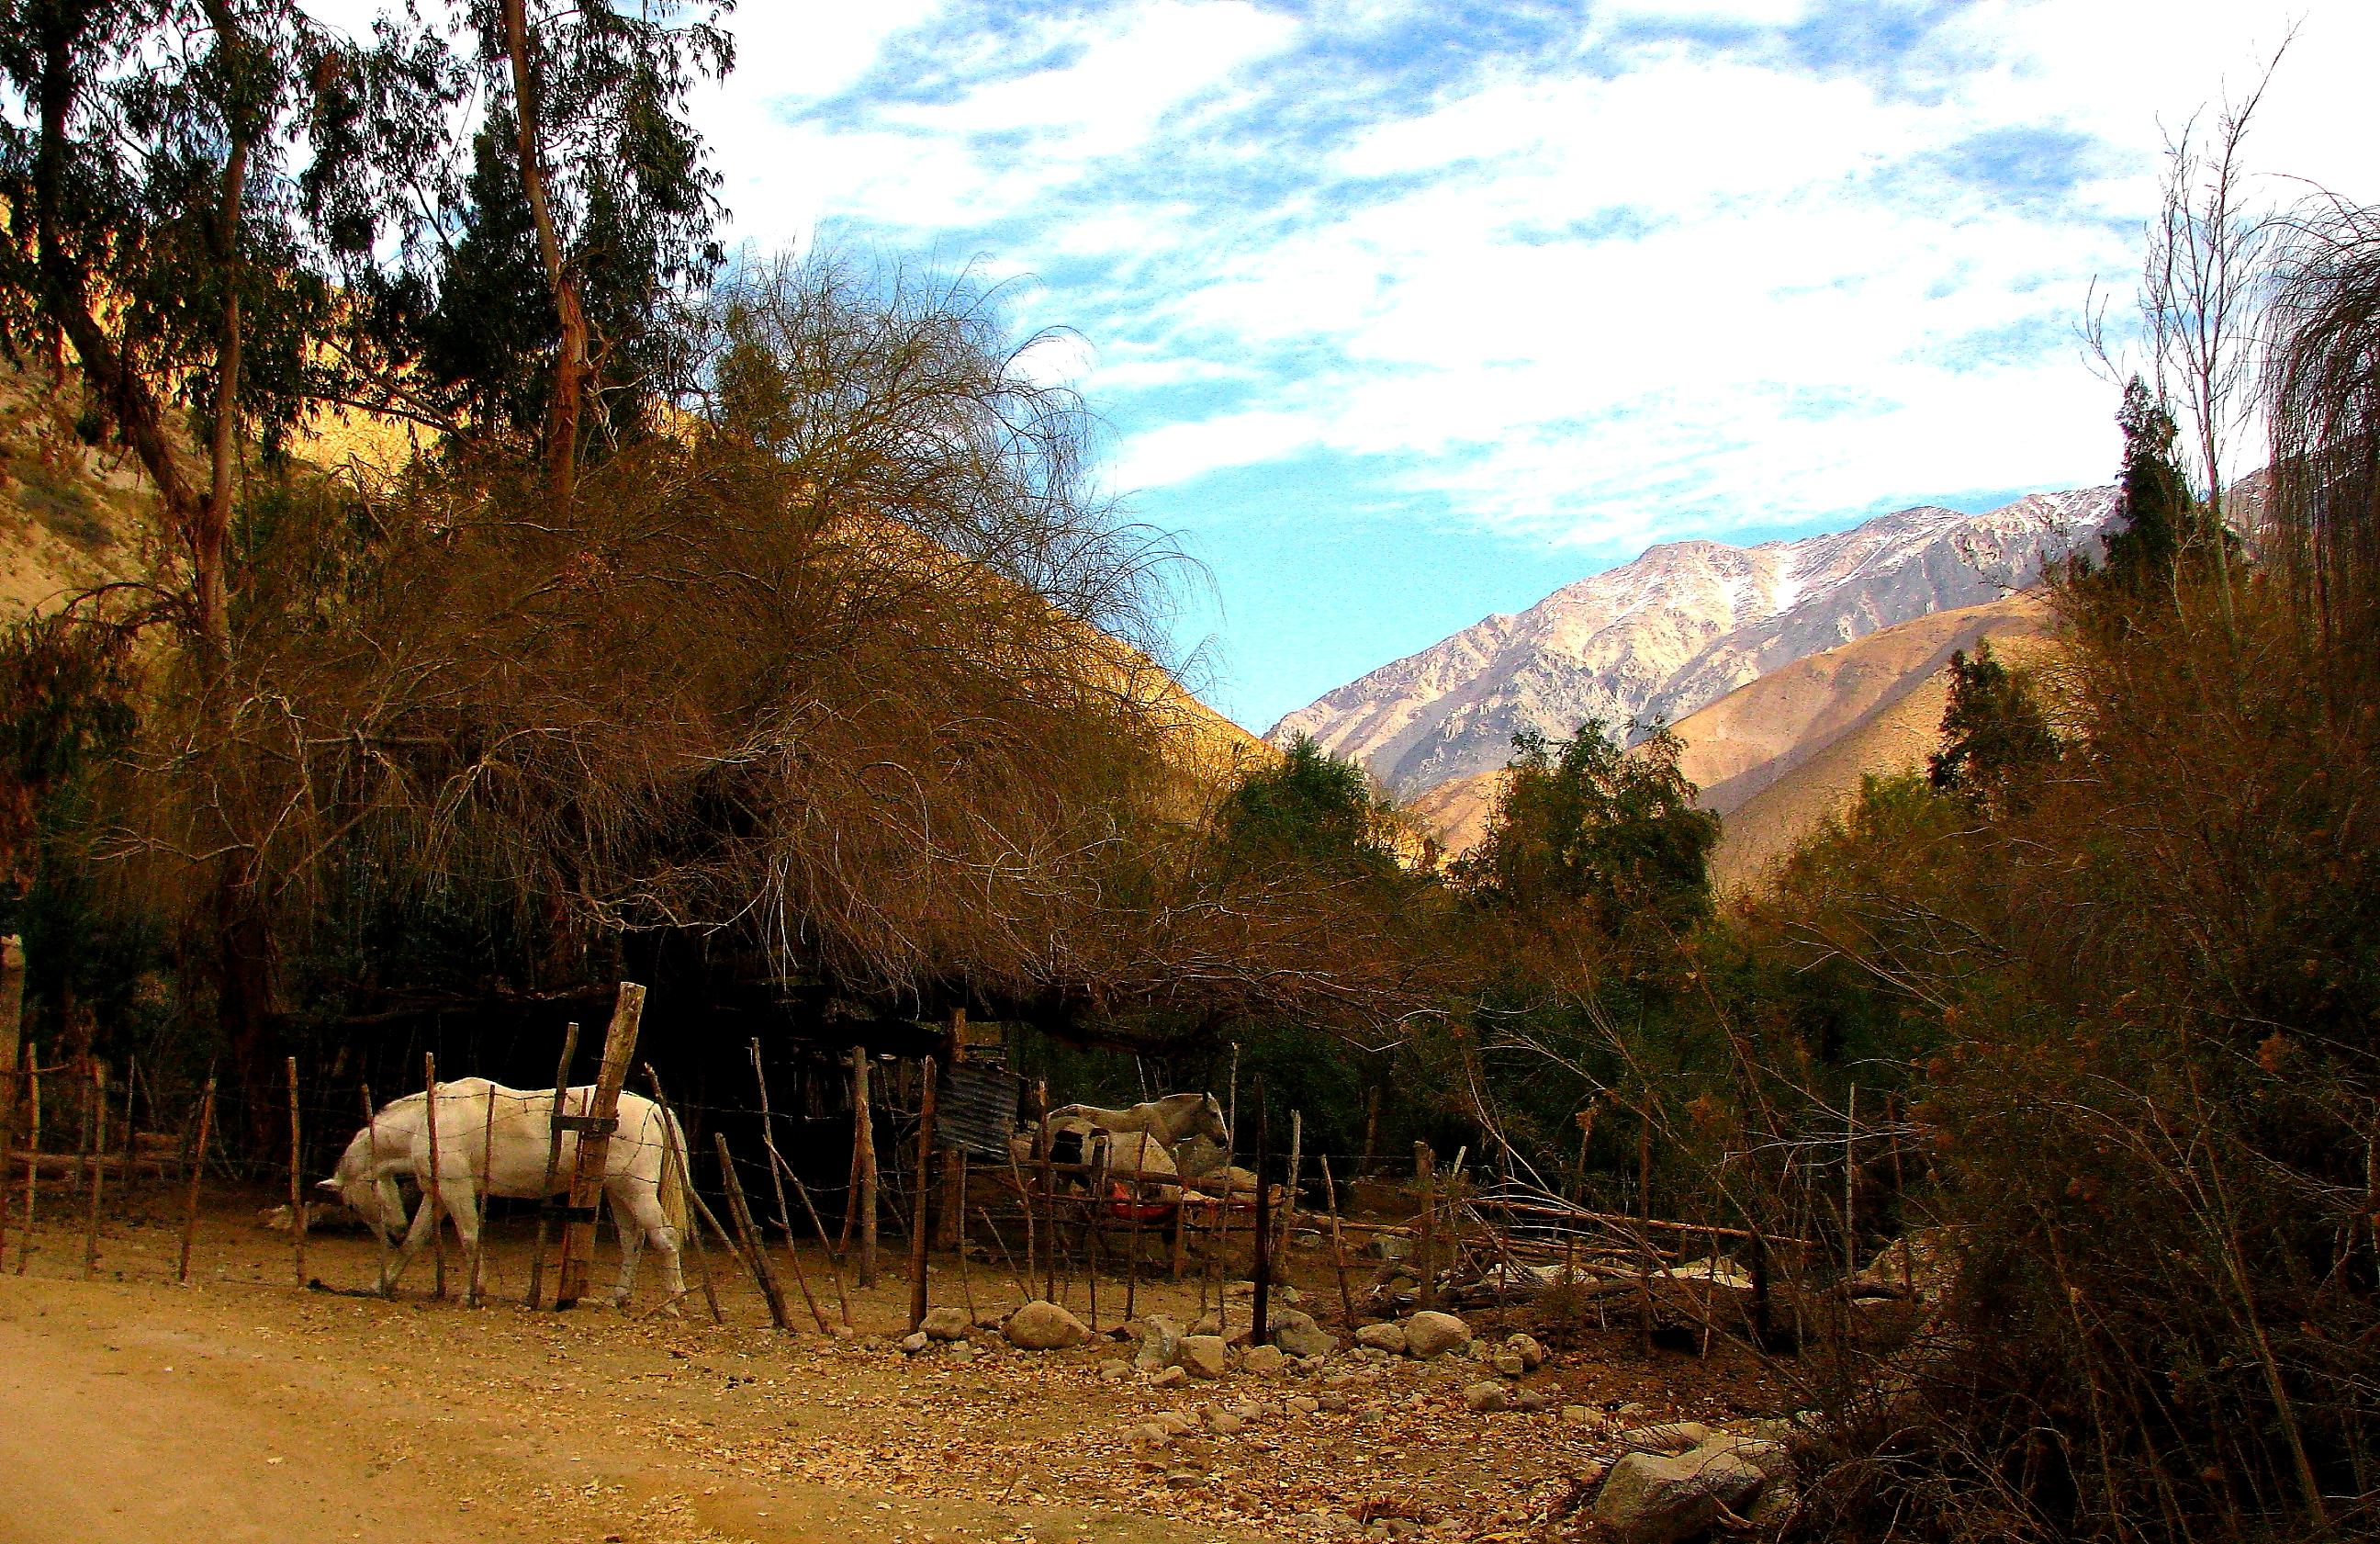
[(863, 1164), (297, 1187), (12, 1018), (920, 1208), (198, 1167), (1425, 1171), (32, 1156), (434, 1200), (95, 1154), (554, 1158), (594, 1130), (756, 1253), (1261, 1305)]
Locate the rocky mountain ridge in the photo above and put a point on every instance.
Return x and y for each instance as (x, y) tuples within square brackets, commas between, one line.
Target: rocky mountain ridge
[(1679, 627)]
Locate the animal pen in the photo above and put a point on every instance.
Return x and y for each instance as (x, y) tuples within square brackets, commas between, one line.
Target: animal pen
[(800, 1165)]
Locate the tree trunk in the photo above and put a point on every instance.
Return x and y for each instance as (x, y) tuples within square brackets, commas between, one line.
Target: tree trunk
[(570, 359)]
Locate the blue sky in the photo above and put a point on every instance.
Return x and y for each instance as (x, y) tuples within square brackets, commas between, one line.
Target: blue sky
[(1402, 313)]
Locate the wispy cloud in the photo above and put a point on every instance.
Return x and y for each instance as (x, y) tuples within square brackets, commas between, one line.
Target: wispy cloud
[(1587, 274)]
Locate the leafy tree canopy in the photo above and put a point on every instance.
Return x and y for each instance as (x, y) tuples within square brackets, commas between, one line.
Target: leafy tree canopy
[(1583, 823)]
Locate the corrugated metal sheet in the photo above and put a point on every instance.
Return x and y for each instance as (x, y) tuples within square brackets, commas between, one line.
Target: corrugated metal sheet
[(976, 1109)]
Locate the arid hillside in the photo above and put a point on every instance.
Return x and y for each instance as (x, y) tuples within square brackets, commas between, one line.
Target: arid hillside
[(1779, 754)]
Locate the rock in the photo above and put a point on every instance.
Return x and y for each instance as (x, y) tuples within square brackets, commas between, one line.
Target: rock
[(1389, 1246), (1534, 1400), (1114, 1371), (1510, 1363), (1651, 1497), (1204, 1356), (945, 1324), (1265, 1361), (1668, 1437), (1171, 1378), (961, 1352), (1044, 1326), (1161, 1343), (1772, 1459), (1306, 1405), (1331, 1403), (1532, 1355), (1430, 1334), (1222, 1423), (1483, 1397), (1389, 1338), (914, 1342), (1577, 1414), (1295, 1333), (1778, 1499)]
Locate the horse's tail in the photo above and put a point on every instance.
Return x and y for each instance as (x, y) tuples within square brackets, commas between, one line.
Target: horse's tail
[(673, 1174)]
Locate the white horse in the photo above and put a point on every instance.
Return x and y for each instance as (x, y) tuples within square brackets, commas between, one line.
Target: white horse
[(1173, 1119), (492, 1141)]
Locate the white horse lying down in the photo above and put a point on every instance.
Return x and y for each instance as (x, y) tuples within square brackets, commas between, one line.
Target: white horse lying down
[(504, 1153)]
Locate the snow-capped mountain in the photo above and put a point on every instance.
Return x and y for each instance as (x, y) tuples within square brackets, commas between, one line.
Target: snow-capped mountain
[(1682, 625)]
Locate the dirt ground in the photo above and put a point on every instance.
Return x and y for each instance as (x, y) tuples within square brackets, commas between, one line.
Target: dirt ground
[(239, 1408)]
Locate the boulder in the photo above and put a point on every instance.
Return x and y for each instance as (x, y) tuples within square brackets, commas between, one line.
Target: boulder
[(1508, 1364), (1169, 1378), (1295, 1333), (1577, 1414), (1483, 1397), (1532, 1353), (1265, 1361), (1161, 1343), (914, 1342), (1534, 1400), (1204, 1356), (1650, 1498), (945, 1324), (1389, 1338), (1222, 1423), (1044, 1326), (1114, 1371), (1430, 1334), (1667, 1437)]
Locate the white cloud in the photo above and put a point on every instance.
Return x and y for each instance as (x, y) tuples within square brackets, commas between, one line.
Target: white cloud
[(1602, 293)]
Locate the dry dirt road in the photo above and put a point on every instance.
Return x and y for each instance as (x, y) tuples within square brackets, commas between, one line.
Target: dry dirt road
[(238, 1409)]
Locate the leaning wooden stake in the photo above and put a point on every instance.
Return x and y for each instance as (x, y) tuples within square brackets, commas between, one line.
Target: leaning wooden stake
[(435, 1199), (1296, 1168), (594, 1130), (1024, 1293), (672, 1153), (553, 1159), (1024, 1200), (1338, 1246), (777, 1182), (756, 1257), (863, 1162), (198, 1167), (97, 1155), (9, 1101), (921, 1208), (297, 1187), (834, 1272)]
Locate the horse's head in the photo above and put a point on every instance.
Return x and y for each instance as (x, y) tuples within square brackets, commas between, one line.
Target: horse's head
[(1208, 1121), (357, 1185)]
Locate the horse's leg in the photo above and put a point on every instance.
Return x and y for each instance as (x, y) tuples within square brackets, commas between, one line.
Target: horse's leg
[(425, 1221), (462, 1198), (637, 1207)]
